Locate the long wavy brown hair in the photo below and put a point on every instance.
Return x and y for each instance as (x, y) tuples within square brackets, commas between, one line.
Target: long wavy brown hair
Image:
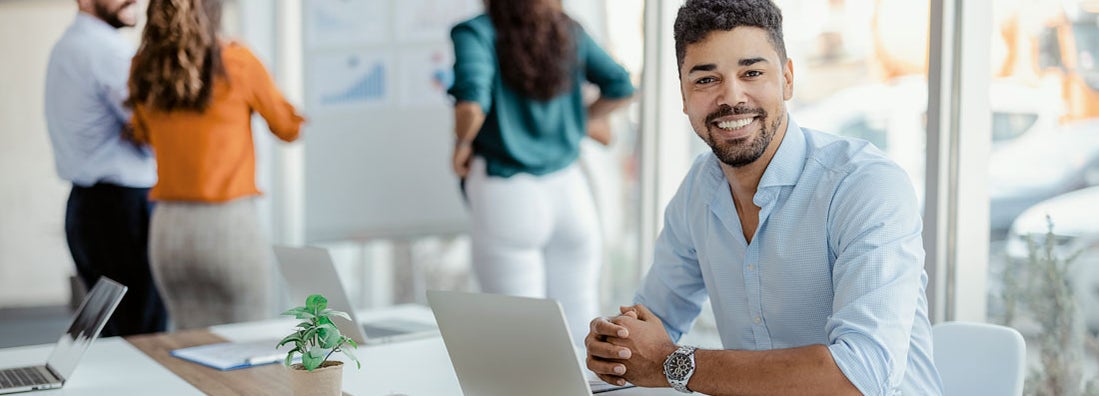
[(535, 39), (179, 56)]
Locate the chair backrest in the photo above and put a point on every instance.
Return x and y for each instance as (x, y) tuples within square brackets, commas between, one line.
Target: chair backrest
[(979, 358)]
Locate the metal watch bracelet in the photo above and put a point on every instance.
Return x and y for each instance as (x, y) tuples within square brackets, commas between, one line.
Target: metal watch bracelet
[(679, 367)]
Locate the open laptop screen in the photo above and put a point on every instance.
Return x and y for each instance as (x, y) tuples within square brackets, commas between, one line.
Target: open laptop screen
[(89, 320)]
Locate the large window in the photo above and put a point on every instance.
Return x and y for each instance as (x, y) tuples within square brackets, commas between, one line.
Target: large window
[(1043, 276)]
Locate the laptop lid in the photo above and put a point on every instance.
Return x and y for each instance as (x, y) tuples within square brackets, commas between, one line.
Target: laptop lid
[(88, 321), (309, 270), (503, 345)]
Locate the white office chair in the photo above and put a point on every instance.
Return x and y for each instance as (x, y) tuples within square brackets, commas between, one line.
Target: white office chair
[(979, 359)]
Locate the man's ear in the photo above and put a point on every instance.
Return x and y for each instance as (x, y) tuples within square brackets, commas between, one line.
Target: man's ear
[(788, 77), (682, 94), (683, 98)]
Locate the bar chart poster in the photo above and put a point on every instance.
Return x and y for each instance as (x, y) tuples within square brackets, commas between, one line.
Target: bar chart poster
[(424, 75), (349, 81), (342, 23)]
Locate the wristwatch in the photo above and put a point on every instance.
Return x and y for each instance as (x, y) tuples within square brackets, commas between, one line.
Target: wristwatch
[(679, 366)]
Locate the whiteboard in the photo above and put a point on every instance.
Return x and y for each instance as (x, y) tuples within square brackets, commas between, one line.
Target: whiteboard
[(380, 127)]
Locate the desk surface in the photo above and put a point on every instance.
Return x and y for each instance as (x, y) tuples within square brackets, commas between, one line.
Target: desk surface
[(110, 367), (113, 366)]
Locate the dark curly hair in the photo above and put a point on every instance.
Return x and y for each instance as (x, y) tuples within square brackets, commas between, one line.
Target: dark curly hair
[(535, 38), (179, 56), (697, 18)]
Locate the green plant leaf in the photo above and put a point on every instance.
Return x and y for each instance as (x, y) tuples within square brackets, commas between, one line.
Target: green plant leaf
[(314, 357), (295, 338), (317, 337), (329, 336), (290, 356), (332, 312), (294, 311), (349, 353), (300, 313), (316, 303)]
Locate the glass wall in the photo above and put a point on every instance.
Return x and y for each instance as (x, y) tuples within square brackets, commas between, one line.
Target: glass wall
[(1044, 188)]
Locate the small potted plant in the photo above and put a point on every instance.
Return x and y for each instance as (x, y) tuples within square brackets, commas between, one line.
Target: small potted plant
[(316, 339)]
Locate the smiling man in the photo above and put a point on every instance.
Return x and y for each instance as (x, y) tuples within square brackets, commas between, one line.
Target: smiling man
[(108, 211), (807, 244)]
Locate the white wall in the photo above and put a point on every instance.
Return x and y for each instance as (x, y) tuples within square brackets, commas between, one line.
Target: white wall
[(34, 259)]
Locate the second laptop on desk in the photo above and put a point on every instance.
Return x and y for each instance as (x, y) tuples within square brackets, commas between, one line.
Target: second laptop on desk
[(309, 270)]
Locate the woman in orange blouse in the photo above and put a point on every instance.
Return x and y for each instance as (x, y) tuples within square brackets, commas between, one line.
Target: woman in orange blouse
[(193, 96)]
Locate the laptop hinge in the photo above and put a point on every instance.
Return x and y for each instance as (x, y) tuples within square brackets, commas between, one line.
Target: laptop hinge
[(56, 376)]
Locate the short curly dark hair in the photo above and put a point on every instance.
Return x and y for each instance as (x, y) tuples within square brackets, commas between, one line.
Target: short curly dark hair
[(697, 18)]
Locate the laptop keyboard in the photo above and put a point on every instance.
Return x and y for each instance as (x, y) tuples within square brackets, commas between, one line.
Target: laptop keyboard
[(22, 376)]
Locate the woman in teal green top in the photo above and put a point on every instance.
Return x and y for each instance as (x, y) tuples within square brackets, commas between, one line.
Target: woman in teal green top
[(519, 119)]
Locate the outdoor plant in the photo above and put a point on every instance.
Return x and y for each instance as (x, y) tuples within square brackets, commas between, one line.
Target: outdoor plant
[(1045, 288), (316, 338)]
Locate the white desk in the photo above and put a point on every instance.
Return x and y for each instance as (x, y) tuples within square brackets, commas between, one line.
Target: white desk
[(114, 366), (110, 367), (413, 368)]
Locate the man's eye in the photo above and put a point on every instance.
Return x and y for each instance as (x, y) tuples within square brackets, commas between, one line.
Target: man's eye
[(705, 80), (753, 73)]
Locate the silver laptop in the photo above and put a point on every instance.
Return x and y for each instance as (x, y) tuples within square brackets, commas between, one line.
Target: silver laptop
[(504, 346), (88, 321), (309, 270)]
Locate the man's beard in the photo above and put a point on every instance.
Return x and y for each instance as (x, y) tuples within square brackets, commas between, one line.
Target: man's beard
[(111, 16), (730, 152)]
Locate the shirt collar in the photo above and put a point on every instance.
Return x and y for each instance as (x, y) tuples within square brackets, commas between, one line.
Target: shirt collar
[(88, 21), (789, 160)]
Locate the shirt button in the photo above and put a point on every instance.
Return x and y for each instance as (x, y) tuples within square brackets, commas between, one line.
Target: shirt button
[(751, 267), (757, 320)]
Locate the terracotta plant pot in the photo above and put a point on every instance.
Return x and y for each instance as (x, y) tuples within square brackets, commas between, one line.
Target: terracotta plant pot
[(326, 380)]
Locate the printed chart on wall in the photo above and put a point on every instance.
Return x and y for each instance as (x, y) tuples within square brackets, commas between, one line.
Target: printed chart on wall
[(379, 135), (430, 20), (349, 81), (426, 74), (342, 23)]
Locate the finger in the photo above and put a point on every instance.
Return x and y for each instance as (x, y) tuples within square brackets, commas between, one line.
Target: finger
[(643, 313), (606, 367), (606, 350), (603, 327), (610, 379), (624, 320), (627, 309)]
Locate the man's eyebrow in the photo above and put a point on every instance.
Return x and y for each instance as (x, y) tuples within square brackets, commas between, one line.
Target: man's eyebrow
[(751, 61), (703, 67)]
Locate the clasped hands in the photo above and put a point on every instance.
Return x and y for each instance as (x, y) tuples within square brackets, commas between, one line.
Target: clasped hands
[(630, 347)]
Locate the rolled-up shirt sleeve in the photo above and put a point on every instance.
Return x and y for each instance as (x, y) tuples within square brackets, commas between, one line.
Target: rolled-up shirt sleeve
[(474, 67), (877, 276)]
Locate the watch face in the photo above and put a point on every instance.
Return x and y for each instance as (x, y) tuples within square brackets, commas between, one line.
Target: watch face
[(678, 366)]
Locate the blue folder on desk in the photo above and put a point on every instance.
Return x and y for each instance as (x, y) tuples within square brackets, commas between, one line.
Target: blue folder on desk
[(233, 355)]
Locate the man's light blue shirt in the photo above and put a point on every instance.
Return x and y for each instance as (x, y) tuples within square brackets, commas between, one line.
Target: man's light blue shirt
[(837, 259), (85, 87)]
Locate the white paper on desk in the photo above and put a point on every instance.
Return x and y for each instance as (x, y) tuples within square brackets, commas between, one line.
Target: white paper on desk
[(234, 355)]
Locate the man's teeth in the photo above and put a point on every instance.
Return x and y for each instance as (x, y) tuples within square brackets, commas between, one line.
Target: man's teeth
[(735, 124)]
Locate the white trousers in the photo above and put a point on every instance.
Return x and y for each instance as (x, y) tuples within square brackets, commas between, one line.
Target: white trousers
[(537, 236)]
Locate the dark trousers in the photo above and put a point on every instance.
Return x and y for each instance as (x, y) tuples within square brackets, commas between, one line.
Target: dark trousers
[(107, 227)]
